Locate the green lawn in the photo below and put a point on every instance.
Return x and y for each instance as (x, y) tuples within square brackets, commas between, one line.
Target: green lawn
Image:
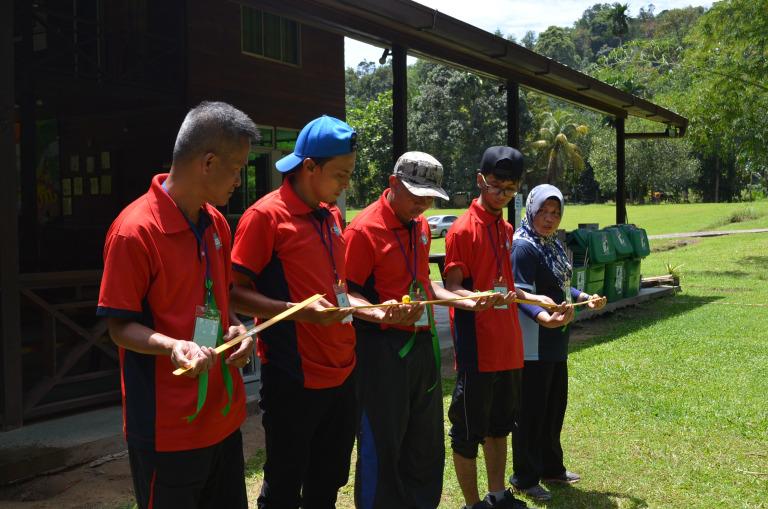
[(668, 401)]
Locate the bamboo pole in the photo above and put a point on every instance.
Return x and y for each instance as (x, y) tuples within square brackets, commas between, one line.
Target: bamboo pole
[(255, 330)]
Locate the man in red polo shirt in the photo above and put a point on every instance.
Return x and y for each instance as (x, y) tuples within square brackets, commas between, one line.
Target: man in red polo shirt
[(488, 344), (165, 292), (400, 442), (289, 246)]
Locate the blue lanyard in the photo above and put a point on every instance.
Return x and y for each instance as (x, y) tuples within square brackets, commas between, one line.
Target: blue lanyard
[(321, 215), (411, 269), (496, 246), (200, 237)]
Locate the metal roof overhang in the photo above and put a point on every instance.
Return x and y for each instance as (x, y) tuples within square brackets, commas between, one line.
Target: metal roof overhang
[(429, 33)]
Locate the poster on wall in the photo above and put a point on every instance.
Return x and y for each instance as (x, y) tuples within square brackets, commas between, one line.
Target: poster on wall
[(47, 171)]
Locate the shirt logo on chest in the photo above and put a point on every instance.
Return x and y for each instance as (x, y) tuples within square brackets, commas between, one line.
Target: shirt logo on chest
[(423, 238), (216, 241), (336, 230)]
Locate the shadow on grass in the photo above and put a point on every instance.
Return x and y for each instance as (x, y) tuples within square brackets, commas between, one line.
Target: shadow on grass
[(612, 326), (572, 497), (760, 261)]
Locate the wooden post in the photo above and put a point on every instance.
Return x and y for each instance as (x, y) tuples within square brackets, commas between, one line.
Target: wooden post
[(513, 133), (28, 118), (621, 191), (10, 347), (399, 102)]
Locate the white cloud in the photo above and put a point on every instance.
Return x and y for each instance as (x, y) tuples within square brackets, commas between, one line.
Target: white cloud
[(513, 17)]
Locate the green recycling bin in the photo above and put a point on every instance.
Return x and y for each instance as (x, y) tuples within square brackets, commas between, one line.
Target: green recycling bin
[(578, 243), (639, 240), (631, 277), (595, 276), (579, 278), (621, 243), (614, 280)]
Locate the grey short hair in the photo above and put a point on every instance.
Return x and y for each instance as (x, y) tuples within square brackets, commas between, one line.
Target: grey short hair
[(208, 126)]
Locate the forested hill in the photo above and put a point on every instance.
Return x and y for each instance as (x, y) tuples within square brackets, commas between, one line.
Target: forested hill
[(709, 65)]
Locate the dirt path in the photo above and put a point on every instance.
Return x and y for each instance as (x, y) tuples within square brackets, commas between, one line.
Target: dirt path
[(97, 486)]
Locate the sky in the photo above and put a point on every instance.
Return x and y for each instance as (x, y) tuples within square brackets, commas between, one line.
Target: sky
[(513, 17)]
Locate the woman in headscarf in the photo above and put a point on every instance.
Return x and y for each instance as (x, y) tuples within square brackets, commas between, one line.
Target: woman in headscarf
[(541, 266)]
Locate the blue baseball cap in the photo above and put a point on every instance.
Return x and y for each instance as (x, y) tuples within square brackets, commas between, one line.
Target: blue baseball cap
[(323, 137)]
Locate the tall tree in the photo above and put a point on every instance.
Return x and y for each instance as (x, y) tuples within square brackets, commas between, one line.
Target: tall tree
[(556, 151), (556, 43)]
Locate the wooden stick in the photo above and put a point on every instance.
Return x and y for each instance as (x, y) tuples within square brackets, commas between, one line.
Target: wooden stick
[(255, 330), (439, 301)]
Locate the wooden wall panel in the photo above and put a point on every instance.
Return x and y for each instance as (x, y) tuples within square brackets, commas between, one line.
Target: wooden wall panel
[(272, 93)]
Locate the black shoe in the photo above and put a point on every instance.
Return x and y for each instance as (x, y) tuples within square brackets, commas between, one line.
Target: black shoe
[(480, 505), (564, 478), (508, 501)]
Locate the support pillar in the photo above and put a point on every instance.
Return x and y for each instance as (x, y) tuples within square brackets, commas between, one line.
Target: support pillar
[(399, 102), (10, 341), (513, 133), (621, 176)]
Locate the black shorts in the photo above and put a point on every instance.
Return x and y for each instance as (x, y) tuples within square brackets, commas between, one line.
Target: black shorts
[(198, 478), (483, 405)]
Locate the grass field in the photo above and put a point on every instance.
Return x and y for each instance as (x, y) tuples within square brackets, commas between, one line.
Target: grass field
[(668, 403)]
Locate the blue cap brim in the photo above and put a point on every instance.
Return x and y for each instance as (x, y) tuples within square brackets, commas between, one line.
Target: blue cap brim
[(288, 163)]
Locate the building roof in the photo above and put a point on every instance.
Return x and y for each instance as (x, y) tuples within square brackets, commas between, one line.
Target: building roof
[(429, 33)]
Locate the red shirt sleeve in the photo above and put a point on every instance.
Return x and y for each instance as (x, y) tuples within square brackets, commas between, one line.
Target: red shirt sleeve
[(358, 257), (254, 242), (456, 252), (126, 278)]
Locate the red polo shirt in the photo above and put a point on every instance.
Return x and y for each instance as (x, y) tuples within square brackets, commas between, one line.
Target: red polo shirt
[(487, 340), (154, 273), (278, 245), (380, 253)]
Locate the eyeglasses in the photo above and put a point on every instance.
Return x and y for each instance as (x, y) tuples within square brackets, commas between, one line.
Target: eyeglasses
[(508, 193)]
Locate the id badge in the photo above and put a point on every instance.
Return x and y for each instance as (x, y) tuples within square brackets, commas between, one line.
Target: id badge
[(423, 320), (568, 296), (342, 299), (207, 322), (500, 286)]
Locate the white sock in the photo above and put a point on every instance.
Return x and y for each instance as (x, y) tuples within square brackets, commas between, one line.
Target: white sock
[(497, 495)]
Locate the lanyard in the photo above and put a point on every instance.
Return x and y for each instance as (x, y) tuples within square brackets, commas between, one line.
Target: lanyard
[(411, 268), (496, 246), (210, 301), (321, 215), (200, 237)]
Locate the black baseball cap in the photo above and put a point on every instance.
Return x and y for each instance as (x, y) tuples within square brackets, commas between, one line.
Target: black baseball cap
[(505, 163)]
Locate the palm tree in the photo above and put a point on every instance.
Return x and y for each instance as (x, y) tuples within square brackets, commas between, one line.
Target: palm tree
[(554, 147), (619, 20)]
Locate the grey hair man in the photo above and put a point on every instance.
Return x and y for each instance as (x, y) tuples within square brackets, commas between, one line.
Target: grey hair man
[(165, 294)]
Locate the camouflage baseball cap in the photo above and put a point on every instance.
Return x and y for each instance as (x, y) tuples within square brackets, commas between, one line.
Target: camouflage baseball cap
[(421, 174)]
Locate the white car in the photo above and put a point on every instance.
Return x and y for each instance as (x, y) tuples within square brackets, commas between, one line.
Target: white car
[(439, 225)]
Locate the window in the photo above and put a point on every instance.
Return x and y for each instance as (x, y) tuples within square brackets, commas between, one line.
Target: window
[(269, 36), (286, 139)]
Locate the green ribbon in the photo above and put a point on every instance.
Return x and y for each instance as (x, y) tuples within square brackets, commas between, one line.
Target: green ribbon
[(408, 346), (202, 378)]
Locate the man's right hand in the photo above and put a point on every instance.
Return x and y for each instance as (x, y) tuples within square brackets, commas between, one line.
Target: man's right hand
[(198, 359), (314, 313)]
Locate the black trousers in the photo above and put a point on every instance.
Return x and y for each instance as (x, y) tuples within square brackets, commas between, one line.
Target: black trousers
[(211, 477), (400, 444), (536, 449), (309, 437)]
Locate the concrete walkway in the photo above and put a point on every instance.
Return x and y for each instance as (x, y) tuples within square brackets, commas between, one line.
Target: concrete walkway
[(713, 233)]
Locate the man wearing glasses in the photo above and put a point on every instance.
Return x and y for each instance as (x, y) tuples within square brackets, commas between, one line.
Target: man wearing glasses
[(400, 441), (489, 346)]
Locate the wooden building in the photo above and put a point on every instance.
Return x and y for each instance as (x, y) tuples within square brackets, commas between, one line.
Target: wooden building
[(93, 91)]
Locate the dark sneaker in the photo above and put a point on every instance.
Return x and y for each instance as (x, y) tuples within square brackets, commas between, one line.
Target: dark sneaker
[(536, 492), (480, 505), (565, 478), (508, 501)]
